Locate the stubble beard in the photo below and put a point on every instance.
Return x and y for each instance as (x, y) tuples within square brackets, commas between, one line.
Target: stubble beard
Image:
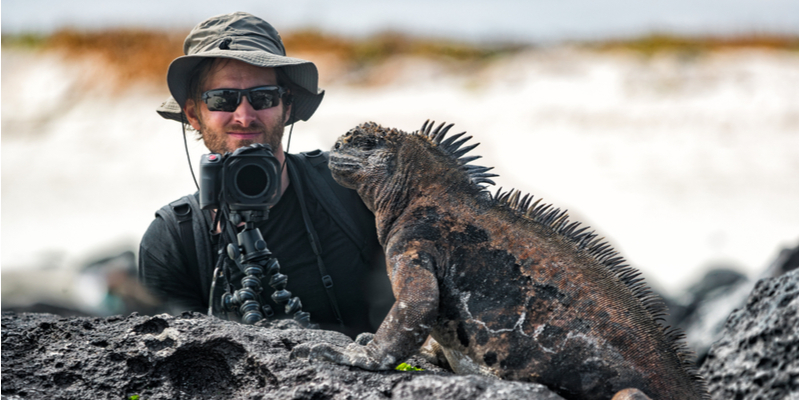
[(217, 142)]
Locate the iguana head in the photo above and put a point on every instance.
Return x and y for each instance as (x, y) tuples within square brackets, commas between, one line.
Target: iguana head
[(364, 155), (386, 164)]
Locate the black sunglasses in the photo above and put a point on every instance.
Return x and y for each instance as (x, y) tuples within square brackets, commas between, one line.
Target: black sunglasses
[(260, 98)]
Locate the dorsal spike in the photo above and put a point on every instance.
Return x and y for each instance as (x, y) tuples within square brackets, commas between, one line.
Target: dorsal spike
[(497, 194), (513, 200), (478, 181), (551, 216), (445, 144), (577, 234), (439, 133), (560, 219), (457, 144), (426, 128), (476, 169), (523, 204), (532, 208), (542, 209), (465, 150), (465, 160), (567, 230)]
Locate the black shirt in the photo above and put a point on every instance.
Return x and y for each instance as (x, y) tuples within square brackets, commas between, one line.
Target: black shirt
[(288, 240)]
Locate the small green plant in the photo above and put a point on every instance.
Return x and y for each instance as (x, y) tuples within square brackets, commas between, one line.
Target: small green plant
[(406, 367), (134, 397)]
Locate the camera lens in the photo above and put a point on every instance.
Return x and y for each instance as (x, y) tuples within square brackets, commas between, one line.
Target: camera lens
[(252, 180)]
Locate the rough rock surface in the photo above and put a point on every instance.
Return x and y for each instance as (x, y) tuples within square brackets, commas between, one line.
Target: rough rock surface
[(193, 357), (702, 310), (707, 314), (757, 357), (469, 387)]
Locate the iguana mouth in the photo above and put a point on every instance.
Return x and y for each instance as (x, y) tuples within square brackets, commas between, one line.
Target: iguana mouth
[(341, 162)]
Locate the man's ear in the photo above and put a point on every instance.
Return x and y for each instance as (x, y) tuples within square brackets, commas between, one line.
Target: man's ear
[(192, 114), (287, 113)]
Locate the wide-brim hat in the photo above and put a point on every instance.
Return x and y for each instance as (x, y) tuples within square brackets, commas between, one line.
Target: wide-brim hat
[(244, 37)]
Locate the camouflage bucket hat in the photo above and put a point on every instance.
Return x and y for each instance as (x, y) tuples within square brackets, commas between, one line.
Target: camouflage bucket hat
[(244, 37)]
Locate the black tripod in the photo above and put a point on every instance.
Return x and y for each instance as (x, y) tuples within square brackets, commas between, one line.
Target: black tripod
[(254, 260)]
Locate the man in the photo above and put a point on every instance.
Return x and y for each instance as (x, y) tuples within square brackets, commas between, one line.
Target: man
[(321, 233)]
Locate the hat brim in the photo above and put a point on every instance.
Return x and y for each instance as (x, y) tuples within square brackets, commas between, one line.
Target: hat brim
[(301, 72)]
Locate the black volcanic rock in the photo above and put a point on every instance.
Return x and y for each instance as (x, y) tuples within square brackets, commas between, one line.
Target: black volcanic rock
[(757, 357), (194, 357), (701, 311)]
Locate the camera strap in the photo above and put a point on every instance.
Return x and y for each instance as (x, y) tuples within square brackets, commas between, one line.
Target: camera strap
[(340, 203), (183, 213), (313, 238), (190, 225)]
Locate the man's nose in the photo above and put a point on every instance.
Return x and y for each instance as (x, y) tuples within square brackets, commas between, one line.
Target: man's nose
[(244, 113)]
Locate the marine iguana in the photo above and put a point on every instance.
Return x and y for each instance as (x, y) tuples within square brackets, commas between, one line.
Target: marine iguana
[(507, 286)]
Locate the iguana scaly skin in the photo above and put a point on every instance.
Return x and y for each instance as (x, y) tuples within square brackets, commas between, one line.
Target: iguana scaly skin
[(507, 288)]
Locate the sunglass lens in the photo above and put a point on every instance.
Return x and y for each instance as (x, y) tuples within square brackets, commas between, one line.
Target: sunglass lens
[(222, 100), (262, 99)]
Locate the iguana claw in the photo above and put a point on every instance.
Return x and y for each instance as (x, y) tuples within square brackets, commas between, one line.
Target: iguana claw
[(353, 355), (300, 351), (363, 339)]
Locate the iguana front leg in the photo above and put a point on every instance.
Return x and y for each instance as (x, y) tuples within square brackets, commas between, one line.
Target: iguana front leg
[(403, 330)]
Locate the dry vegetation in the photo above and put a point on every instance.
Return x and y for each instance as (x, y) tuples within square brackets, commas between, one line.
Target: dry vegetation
[(658, 43), (382, 46), (142, 56)]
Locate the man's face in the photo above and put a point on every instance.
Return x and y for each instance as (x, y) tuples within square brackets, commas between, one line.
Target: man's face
[(226, 131)]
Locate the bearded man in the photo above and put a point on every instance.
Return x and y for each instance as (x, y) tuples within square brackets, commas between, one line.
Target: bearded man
[(236, 87)]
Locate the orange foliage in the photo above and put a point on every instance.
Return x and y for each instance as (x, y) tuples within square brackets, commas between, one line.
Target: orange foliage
[(135, 55)]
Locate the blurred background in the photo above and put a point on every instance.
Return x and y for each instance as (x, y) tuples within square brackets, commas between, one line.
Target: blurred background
[(670, 127)]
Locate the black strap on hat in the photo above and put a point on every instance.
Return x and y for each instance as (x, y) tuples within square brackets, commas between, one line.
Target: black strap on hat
[(186, 146)]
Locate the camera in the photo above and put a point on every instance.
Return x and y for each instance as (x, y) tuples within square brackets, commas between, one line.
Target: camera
[(248, 179)]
